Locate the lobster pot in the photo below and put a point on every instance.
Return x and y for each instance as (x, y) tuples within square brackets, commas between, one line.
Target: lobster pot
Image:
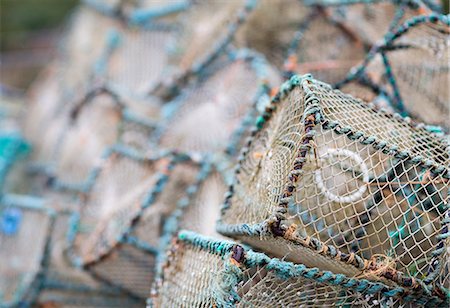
[(21, 258), (61, 284), (68, 77), (98, 122), (423, 79), (121, 220), (271, 27), (206, 114), (206, 272), (326, 49), (334, 175), (419, 81), (372, 20)]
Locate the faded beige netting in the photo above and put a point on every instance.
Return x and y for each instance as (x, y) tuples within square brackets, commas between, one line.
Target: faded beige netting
[(372, 20), (65, 285), (421, 71), (122, 217), (205, 206), (97, 122), (411, 66), (327, 49), (199, 33), (226, 97), (201, 272), (331, 168), (271, 28), (119, 188), (21, 258)]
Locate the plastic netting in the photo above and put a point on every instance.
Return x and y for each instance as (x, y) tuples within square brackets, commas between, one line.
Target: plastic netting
[(195, 46), (413, 63), (271, 28), (21, 260), (136, 125), (197, 38), (95, 123), (201, 272), (325, 167), (117, 233), (227, 95), (370, 20), (325, 48)]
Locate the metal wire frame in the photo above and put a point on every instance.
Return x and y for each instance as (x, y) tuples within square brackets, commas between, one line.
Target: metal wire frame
[(383, 49), (203, 271), (275, 231)]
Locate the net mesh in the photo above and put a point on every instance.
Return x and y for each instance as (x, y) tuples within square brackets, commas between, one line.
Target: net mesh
[(205, 206), (424, 78), (271, 27), (98, 122), (115, 196), (200, 34), (202, 273), (420, 80), (326, 48), (348, 194), (139, 61), (20, 258), (122, 219), (136, 124), (374, 19), (226, 97)]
